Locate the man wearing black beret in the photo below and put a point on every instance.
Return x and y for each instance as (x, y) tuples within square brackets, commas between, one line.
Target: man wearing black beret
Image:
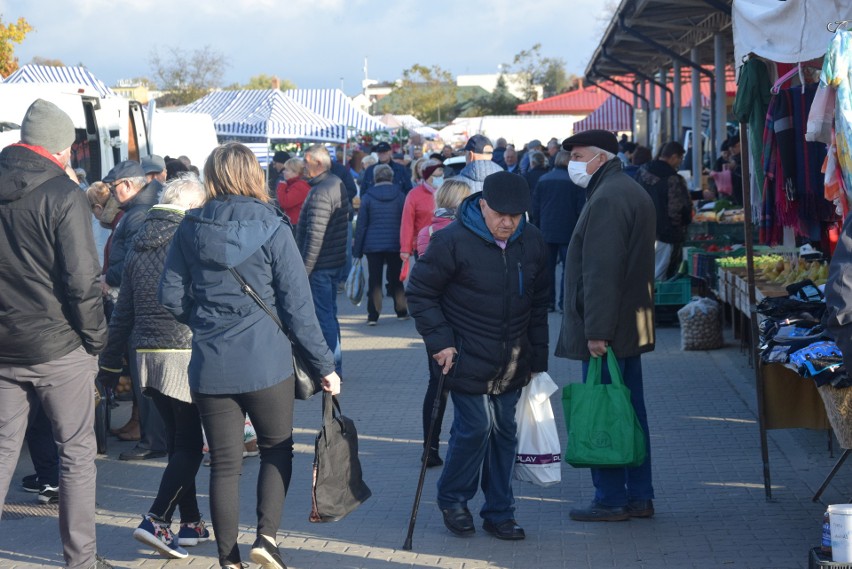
[(401, 176), (479, 299), (609, 301)]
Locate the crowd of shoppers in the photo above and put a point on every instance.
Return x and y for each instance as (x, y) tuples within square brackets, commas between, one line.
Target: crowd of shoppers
[(481, 249)]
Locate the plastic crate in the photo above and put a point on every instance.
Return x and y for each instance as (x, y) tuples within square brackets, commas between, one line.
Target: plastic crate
[(817, 559), (672, 293)]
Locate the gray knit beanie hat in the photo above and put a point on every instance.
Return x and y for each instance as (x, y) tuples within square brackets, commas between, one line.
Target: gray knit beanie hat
[(48, 126)]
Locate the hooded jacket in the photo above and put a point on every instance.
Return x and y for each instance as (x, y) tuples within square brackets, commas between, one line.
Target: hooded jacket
[(135, 211), (488, 302), (236, 346), (379, 217), (476, 172), (609, 269), (138, 319), (50, 298), (323, 227)]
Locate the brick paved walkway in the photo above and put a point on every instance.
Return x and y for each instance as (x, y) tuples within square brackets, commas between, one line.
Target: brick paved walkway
[(711, 510)]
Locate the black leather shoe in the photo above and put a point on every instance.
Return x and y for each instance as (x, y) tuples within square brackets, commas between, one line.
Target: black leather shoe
[(266, 554), (432, 458), (459, 521), (599, 513), (137, 453), (640, 508), (507, 529)]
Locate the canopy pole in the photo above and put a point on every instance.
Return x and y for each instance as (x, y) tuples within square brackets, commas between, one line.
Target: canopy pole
[(677, 116), (697, 135), (752, 308)]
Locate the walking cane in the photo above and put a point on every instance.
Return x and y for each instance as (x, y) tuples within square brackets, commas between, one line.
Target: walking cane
[(436, 406)]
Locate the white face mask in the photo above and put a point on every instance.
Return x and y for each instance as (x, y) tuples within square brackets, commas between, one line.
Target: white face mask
[(437, 181), (578, 174)]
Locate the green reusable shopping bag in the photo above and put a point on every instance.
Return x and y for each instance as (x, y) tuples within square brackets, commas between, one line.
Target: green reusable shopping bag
[(603, 430)]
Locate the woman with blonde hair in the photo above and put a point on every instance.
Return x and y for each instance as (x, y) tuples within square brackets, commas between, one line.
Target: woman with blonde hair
[(447, 200), (239, 362), (416, 171)]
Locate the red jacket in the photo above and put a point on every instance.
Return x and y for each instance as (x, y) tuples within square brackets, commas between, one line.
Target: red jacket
[(291, 196), (416, 214), (425, 234)]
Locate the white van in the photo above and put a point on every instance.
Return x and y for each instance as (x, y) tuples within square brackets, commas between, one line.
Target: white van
[(109, 129)]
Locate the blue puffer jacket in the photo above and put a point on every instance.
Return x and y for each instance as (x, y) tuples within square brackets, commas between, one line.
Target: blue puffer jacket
[(236, 346), (377, 230)]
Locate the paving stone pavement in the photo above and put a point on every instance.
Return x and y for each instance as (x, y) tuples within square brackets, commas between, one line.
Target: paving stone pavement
[(711, 509)]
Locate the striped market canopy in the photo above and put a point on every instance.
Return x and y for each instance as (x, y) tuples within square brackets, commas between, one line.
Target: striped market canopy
[(73, 76), (612, 115), (266, 114), (335, 106)]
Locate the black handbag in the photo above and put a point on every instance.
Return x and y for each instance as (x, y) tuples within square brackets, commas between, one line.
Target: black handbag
[(338, 487), (308, 383)]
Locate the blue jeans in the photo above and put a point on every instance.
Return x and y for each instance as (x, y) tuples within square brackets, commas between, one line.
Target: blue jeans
[(483, 439), (323, 284), (614, 487)]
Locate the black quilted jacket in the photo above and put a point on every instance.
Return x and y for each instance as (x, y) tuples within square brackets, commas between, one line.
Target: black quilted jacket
[(323, 227), (139, 319)]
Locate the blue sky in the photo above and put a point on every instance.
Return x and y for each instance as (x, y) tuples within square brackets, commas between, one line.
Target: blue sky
[(313, 43)]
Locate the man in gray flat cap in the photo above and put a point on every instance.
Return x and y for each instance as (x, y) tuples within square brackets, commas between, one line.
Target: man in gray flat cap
[(609, 302), (135, 196), (479, 299), (51, 318), (155, 171)]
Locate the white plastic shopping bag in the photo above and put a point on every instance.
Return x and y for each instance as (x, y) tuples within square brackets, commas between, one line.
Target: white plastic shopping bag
[(539, 457)]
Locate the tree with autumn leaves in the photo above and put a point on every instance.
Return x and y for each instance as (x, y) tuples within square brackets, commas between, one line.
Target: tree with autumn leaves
[(11, 34)]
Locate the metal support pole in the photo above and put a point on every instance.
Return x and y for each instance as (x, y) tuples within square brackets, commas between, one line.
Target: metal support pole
[(721, 94), (697, 135), (677, 121), (665, 109), (652, 103), (752, 308)]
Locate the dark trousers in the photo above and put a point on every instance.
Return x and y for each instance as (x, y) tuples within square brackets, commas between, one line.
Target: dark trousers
[(42, 447), (223, 417), (376, 263), (556, 255), (184, 442), (614, 487), (483, 440), (429, 402)]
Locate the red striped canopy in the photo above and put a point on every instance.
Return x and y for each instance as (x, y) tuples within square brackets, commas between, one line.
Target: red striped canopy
[(613, 115)]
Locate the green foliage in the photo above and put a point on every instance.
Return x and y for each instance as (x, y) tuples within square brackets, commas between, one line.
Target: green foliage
[(188, 76), (429, 93), (262, 81), (500, 102), (10, 34), (549, 72)]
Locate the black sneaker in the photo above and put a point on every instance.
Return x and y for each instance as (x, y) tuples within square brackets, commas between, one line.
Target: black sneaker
[(31, 484), (48, 494), (265, 553)]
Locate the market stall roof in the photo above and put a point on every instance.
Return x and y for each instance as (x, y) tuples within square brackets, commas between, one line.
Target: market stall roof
[(72, 76), (614, 115), (577, 102), (396, 121), (335, 106), (266, 114), (676, 25)]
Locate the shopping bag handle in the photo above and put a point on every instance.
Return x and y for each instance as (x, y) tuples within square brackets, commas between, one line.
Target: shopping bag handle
[(594, 375)]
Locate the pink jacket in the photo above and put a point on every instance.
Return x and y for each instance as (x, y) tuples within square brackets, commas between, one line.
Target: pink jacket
[(416, 214), (425, 234)]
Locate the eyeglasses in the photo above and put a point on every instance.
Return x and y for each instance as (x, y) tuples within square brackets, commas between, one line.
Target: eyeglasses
[(114, 187)]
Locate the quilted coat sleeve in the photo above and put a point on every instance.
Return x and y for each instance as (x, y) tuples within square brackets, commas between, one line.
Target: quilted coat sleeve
[(428, 279)]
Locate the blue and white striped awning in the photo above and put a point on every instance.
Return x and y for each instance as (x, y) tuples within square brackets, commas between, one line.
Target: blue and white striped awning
[(266, 114), (335, 106), (73, 76)]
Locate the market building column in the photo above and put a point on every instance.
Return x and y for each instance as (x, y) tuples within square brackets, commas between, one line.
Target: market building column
[(677, 131), (697, 150), (721, 94)]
